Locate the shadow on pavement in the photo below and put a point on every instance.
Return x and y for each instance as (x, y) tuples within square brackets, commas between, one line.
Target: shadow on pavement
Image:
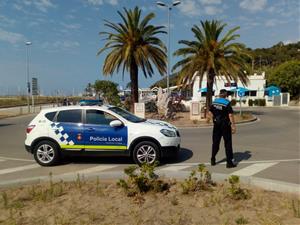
[(238, 157), (184, 154), (6, 124)]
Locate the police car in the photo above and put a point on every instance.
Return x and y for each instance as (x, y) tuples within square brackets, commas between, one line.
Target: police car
[(99, 130)]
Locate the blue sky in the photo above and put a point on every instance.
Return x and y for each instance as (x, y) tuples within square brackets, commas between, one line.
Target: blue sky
[(65, 40)]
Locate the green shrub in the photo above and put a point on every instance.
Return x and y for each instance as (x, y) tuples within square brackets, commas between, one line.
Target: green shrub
[(142, 180), (259, 102), (151, 107), (250, 102), (235, 191), (199, 179), (241, 220)]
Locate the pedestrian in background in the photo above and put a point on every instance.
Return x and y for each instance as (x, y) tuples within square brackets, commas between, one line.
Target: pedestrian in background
[(224, 126)]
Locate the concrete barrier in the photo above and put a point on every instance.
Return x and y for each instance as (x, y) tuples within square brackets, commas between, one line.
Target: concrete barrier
[(23, 110)]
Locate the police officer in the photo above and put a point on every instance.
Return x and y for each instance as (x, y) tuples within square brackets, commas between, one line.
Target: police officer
[(224, 125)]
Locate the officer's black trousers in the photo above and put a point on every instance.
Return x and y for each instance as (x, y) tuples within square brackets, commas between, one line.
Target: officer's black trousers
[(224, 131)]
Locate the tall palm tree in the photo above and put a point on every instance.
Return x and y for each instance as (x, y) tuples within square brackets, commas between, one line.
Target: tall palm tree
[(133, 45), (211, 55)]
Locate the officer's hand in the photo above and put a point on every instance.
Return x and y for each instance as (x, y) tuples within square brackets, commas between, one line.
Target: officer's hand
[(233, 128)]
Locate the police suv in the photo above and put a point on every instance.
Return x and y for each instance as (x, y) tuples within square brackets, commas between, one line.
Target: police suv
[(99, 130)]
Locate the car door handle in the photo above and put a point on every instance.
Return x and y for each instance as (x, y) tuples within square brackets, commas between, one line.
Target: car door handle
[(91, 129)]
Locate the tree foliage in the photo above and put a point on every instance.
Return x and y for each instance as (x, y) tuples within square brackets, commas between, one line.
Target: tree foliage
[(108, 91), (287, 77), (212, 55), (133, 44)]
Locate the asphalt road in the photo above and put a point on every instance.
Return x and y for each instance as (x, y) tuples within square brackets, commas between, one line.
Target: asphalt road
[(268, 148)]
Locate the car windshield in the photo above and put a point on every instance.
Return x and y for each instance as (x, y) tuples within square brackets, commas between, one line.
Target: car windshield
[(126, 115)]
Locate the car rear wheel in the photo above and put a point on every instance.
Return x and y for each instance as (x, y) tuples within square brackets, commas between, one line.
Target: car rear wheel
[(146, 152), (46, 153)]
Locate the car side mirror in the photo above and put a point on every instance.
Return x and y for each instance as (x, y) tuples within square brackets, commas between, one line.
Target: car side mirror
[(116, 123)]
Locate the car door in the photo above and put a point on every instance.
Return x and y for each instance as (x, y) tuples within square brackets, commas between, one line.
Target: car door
[(68, 129), (99, 135)]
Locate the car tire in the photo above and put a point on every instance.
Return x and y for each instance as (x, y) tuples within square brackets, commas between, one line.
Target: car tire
[(46, 153), (146, 152)]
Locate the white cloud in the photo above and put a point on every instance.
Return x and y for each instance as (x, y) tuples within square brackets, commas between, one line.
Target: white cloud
[(11, 37), (66, 45), (253, 5), (95, 2), (211, 2), (189, 8), (73, 26), (41, 5), (5, 21), (100, 2), (274, 22), (211, 10), (271, 23)]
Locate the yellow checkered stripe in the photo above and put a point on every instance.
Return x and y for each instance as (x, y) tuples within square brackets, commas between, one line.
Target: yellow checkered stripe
[(95, 147)]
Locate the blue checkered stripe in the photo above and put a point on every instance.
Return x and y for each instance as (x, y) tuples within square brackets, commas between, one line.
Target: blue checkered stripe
[(61, 134)]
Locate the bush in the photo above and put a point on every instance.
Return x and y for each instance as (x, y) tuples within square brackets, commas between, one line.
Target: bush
[(250, 102), (151, 107), (198, 180), (233, 102), (235, 191), (142, 180), (260, 102)]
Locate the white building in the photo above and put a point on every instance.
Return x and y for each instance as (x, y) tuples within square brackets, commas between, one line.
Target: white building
[(256, 86)]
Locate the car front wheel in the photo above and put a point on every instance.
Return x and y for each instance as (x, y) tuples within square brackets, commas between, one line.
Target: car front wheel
[(146, 152), (46, 153)]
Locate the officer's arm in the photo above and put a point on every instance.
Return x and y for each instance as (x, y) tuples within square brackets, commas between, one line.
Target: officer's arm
[(233, 127), (209, 116)]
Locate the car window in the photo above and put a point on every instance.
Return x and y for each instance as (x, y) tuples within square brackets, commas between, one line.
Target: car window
[(50, 116), (127, 115), (98, 117), (69, 116)]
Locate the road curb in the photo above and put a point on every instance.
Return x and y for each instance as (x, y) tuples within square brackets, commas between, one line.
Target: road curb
[(266, 184), (210, 125)]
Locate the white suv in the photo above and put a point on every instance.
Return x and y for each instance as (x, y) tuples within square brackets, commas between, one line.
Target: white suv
[(99, 130)]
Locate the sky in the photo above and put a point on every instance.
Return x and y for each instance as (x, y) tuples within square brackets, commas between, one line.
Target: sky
[(65, 39)]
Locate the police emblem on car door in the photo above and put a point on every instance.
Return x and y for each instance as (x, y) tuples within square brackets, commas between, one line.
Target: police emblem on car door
[(101, 134)]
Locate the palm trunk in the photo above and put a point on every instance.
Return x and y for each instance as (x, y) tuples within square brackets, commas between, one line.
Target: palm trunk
[(209, 85), (134, 84)]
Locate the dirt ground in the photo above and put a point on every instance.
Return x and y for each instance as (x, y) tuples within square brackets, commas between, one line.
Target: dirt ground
[(99, 202)]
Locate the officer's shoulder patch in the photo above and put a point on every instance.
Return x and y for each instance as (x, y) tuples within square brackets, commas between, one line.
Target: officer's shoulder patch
[(221, 101)]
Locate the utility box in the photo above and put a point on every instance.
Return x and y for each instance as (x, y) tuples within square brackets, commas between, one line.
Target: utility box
[(139, 109), (195, 111)]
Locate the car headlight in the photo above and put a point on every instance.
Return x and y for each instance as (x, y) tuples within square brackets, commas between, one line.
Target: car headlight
[(168, 133)]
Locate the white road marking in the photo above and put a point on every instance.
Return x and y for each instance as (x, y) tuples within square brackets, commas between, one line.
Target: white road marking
[(253, 169), (242, 162), (91, 170), (174, 168), (2, 160), (20, 168), (16, 159)]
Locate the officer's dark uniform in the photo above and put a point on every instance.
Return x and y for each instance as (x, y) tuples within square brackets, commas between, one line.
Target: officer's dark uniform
[(221, 109)]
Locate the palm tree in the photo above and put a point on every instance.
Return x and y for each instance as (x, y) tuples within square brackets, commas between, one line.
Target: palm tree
[(133, 45), (211, 55)]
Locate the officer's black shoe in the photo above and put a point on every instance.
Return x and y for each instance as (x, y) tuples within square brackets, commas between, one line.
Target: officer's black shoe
[(230, 165), (213, 162)]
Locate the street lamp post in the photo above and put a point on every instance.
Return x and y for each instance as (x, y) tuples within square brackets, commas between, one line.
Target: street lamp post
[(28, 43), (169, 7)]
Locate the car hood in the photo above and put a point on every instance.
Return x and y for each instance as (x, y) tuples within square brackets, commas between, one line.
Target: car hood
[(159, 123)]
